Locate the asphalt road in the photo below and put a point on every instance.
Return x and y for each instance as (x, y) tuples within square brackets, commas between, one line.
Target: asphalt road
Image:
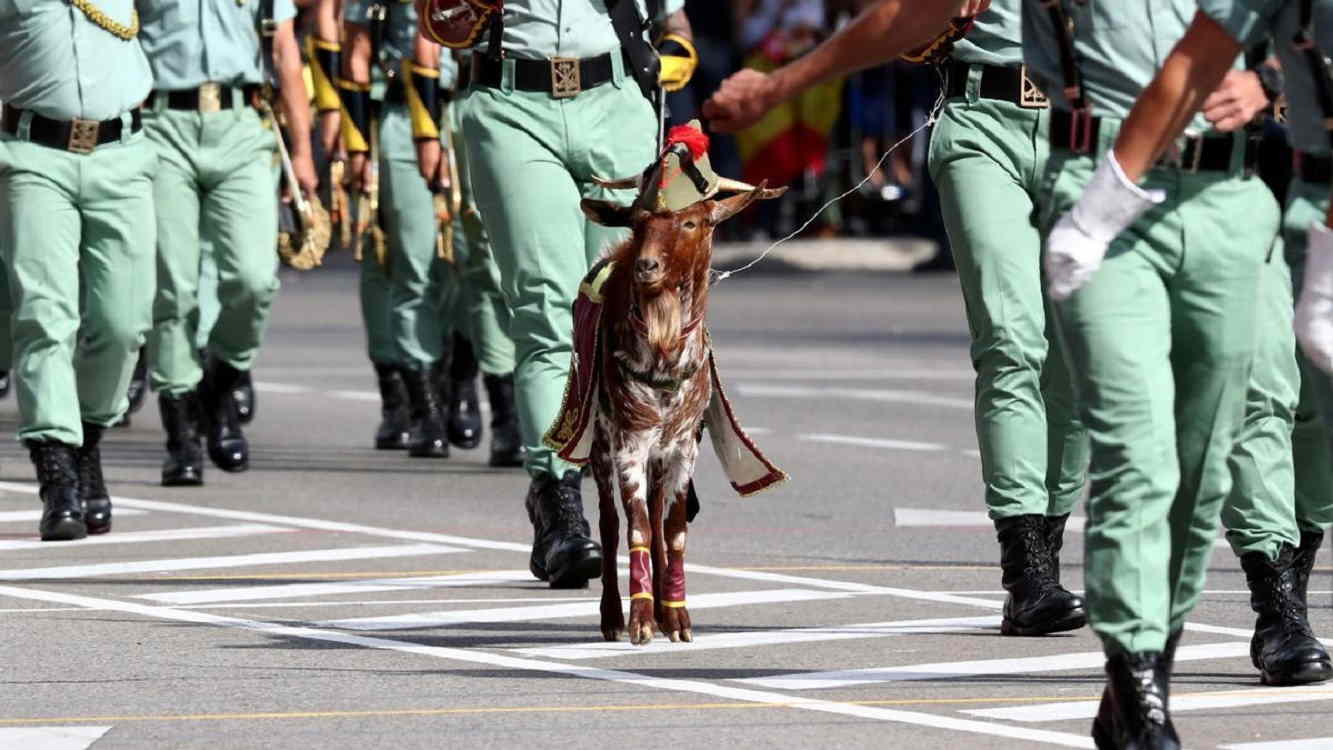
[(335, 596)]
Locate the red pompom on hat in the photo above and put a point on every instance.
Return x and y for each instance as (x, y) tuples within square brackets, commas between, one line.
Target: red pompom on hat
[(691, 136)]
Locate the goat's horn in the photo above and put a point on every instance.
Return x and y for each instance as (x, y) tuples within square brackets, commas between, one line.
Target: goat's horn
[(622, 184), (726, 183)]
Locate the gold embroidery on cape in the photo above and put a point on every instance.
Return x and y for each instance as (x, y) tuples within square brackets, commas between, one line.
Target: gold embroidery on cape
[(104, 22)]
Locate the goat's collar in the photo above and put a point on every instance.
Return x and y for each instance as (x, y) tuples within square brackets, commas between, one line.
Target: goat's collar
[(658, 380)]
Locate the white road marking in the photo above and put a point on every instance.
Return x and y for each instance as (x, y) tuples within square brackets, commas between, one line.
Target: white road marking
[(926, 517), (1314, 743), (555, 611), (946, 670), (299, 590), (696, 687), (262, 386), (146, 537), (897, 445), (33, 516), (304, 523), (779, 637), (224, 561), (389, 602), (920, 398), (354, 395), (51, 738), (1259, 696)]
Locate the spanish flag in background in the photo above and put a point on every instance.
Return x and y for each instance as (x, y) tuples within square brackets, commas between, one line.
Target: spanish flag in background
[(794, 137)]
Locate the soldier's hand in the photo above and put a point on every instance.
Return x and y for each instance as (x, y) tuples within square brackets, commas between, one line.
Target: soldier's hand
[(304, 168), (1237, 101), (358, 171), (428, 159), (973, 7), (329, 122), (741, 101)]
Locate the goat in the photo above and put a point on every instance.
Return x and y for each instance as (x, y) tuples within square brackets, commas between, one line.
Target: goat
[(656, 383)]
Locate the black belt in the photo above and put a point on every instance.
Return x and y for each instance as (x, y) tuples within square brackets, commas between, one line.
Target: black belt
[(1072, 131), (394, 93), (79, 136), (210, 97), (1313, 168), (561, 77), (1010, 84)]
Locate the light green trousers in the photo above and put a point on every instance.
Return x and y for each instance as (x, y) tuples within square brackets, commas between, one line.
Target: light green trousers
[(532, 159), (987, 159), (374, 293), (1160, 343), (408, 211), (215, 187), (6, 312), (470, 285), (78, 235)]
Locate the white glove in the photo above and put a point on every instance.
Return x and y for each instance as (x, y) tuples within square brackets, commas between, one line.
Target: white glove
[(1314, 310), (1077, 243)]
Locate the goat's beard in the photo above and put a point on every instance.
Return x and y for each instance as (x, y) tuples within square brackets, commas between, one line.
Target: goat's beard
[(662, 318)]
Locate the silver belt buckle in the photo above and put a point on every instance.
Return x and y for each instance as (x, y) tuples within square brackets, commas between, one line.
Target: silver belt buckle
[(210, 97), (1030, 95), (566, 78), (83, 136)]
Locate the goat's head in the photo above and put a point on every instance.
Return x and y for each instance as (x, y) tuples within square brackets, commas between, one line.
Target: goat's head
[(669, 256)]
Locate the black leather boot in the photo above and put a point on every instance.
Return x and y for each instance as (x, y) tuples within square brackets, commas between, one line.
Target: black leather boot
[(243, 394), (227, 446), (92, 487), (1135, 712), (563, 553), (506, 444), (427, 438), (392, 434), (1055, 541), (464, 421), (1303, 561), (184, 464), (5, 382), (58, 474), (138, 390), (1284, 648), (1036, 604)]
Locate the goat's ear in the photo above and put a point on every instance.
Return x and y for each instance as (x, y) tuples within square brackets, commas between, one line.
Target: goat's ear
[(729, 207), (607, 213)]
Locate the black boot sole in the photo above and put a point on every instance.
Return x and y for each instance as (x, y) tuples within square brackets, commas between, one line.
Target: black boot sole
[(391, 445), (1072, 620), (97, 521), (576, 573), (466, 442), (437, 449), (65, 530), (184, 479), (1298, 674)]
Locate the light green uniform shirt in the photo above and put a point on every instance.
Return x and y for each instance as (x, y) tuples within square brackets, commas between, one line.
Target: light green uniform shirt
[(56, 62), (1250, 22), (540, 29), (192, 42), (995, 39), (1119, 45)]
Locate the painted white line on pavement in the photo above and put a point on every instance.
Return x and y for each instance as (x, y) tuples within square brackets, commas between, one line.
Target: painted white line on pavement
[(920, 398), (299, 590), (224, 561), (780, 637), (388, 602), (695, 687), (33, 516), (1314, 743), (51, 738), (897, 445), (926, 517), (1069, 710), (304, 523), (354, 395), (145, 537), (556, 611), (262, 386), (947, 670)]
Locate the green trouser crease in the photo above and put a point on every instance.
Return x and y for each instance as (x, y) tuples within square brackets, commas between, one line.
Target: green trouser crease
[(408, 210), (1160, 342), (987, 158), (215, 188), (471, 284), (373, 289), (6, 314), (78, 235), (1312, 438), (1260, 512), (532, 158)]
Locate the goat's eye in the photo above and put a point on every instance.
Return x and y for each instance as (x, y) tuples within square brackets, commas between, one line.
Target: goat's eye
[(690, 224)]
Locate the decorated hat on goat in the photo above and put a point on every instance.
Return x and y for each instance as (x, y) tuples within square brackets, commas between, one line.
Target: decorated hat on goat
[(682, 174)]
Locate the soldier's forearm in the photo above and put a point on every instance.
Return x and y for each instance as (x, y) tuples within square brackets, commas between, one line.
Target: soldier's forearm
[(1194, 69), (291, 89), (679, 23), (880, 34), (426, 53), (326, 22), (356, 53)]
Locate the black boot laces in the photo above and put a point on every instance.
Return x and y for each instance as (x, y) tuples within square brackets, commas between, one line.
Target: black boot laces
[(91, 482)]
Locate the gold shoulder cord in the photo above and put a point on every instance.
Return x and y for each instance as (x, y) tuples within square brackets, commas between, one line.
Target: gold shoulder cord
[(103, 21)]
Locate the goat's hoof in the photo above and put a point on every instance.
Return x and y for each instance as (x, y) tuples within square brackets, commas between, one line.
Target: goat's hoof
[(674, 636), (643, 636), (687, 635)]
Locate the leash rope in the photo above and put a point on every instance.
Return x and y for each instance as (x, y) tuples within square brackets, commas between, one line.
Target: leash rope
[(931, 120)]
